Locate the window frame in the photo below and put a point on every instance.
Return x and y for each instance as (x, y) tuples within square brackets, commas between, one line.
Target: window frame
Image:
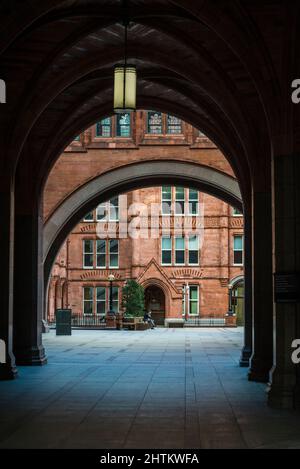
[(169, 201), (98, 241), (236, 264), (180, 201), (179, 250), (168, 126), (110, 253), (84, 253), (166, 250), (190, 201), (100, 301), (193, 250), (148, 125), (194, 301), (104, 125), (84, 301), (117, 126), (89, 221)]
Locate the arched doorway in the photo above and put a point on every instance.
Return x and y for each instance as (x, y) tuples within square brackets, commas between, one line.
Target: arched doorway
[(155, 302), (237, 300)]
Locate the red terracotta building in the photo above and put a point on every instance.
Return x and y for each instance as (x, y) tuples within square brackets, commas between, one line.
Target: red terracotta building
[(185, 247)]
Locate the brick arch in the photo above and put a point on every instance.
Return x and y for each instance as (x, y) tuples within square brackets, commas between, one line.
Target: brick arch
[(155, 282), (124, 179)]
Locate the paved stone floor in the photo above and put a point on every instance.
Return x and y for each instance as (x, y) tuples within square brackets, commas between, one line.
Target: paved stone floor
[(166, 388)]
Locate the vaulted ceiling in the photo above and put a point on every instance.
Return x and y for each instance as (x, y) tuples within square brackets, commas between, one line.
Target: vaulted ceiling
[(218, 65)]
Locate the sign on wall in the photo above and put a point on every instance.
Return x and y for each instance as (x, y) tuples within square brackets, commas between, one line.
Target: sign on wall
[(287, 287)]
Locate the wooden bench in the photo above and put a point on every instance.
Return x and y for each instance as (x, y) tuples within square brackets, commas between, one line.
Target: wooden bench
[(135, 324)]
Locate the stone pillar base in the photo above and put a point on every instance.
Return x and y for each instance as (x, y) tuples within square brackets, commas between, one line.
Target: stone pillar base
[(8, 372), (34, 356), (245, 357), (258, 376), (280, 397), (111, 321), (230, 320)]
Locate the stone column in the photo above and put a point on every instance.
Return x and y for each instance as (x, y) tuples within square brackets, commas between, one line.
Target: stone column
[(262, 358), (248, 335), (8, 369), (284, 389), (28, 271), (28, 288)]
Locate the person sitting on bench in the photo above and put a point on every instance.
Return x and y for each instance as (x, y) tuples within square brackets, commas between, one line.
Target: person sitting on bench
[(149, 320)]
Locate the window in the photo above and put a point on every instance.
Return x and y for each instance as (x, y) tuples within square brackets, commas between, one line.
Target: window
[(166, 200), (238, 247), (193, 202), (88, 254), (108, 210), (101, 253), (115, 299), (194, 300), (114, 253), (123, 125), (103, 128), (183, 300), (194, 250), (101, 301), (77, 139), (155, 123), (179, 251), (174, 125), (236, 212), (89, 217), (102, 212), (166, 251), (114, 209), (179, 201), (88, 300)]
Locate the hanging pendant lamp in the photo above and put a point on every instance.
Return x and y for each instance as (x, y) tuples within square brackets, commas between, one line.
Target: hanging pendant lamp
[(125, 78)]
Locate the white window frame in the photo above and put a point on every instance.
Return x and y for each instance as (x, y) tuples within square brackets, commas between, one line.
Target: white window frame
[(168, 250), (236, 214), (238, 250), (110, 205), (84, 253), (192, 200), (167, 201), (175, 250), (190, 300), (100, 301), (98, 241), (89, 221), (106, 208), (180, 201), (114, 253), (198, 250)]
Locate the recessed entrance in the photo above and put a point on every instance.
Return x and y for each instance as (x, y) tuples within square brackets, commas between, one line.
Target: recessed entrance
[(155, 302)]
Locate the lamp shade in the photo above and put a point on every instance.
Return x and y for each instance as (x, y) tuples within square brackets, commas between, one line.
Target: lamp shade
[(124, 88)]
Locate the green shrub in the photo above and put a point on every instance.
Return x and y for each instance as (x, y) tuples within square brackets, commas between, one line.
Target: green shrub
[(133, 299)]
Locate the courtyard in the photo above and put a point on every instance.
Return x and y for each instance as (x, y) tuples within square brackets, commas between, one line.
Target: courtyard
[(162, 388)]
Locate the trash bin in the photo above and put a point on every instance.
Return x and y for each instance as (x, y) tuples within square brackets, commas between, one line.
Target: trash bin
[(63, 322)]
